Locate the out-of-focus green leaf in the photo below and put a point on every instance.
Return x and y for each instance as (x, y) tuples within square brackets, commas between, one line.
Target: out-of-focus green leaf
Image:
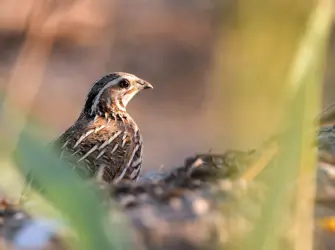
[(78, 201), (296, 158)]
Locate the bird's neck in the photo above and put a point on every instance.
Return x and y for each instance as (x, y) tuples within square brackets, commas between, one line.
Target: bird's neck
[(115, 113), (117, 106), (113, 110)]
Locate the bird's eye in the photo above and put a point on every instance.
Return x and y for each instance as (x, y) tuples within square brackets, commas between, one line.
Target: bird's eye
[(124, 83)]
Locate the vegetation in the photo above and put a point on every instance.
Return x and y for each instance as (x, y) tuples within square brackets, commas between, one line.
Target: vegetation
[(285, 81)]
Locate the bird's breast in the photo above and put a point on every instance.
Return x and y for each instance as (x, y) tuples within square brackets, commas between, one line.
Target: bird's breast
[(103, 148)]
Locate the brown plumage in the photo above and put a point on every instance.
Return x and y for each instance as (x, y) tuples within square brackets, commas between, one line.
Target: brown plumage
[(105, 142)]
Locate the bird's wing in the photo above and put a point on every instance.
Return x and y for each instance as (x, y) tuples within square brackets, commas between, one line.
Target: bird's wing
[(131, 165)]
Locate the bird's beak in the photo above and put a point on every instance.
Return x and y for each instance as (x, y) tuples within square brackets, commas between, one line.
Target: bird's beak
[(147, 85), (142, 84)]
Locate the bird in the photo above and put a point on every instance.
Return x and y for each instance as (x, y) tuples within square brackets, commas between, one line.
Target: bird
[(105, 143)]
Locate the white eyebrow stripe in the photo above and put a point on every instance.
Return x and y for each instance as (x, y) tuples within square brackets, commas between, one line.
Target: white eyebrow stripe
[(111, 83), (97, 98)]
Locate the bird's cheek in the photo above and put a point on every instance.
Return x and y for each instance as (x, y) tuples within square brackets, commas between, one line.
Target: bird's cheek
[(128, 96)]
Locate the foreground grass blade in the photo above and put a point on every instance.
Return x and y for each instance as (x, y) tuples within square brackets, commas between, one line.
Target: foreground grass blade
[(295, 150), (67, 192)]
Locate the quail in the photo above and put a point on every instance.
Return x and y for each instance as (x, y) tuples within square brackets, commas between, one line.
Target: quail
[(105, 142)]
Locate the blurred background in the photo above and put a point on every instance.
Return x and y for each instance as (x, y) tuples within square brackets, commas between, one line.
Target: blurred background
[(190, 50)]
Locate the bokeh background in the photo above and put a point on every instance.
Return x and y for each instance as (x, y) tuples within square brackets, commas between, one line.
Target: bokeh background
[(174, 44)]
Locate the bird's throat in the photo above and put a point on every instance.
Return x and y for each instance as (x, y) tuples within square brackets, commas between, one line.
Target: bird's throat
[(115, 110), (118, 106)]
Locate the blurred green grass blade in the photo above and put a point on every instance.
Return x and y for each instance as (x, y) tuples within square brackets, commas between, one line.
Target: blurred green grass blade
[(75, 199), (302, 102), (308, 71), (311, 52)]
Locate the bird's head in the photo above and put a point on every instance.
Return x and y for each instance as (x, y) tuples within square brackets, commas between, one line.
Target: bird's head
[(112, 93)]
